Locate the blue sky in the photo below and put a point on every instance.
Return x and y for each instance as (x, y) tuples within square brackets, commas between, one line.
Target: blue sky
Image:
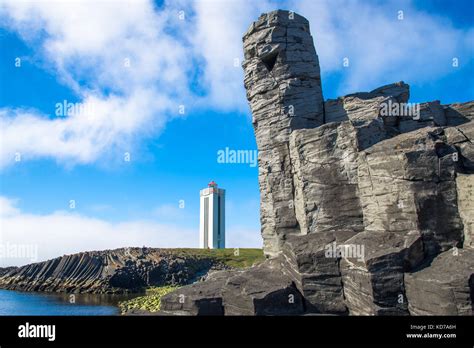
[(180, 53)]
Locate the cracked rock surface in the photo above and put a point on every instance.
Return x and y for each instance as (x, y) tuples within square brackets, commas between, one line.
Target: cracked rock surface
[(125, 270), (362, 212)]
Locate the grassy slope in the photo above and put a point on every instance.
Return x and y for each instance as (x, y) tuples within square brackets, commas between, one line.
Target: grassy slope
[(150, 302), (236, 258)]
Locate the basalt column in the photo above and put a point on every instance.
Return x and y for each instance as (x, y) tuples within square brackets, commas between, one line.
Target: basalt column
[(283, 83)]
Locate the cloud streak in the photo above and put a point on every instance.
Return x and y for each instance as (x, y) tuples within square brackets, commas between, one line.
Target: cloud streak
[(138, 62), (64, 232), (384, 41), (117, 57)]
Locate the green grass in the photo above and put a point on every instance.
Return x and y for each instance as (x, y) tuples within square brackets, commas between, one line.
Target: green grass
[(235, 258), (150, 302)]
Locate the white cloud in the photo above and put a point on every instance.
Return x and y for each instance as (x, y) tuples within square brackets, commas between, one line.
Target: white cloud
[(63, 232), (85, 44), (243, 237), (81, 138), (380, 47), (90, 40), (7, 207), (220, 26), (116, 56), (169, 211)]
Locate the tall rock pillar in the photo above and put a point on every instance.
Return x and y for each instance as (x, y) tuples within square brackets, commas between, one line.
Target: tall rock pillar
[(283, 83)]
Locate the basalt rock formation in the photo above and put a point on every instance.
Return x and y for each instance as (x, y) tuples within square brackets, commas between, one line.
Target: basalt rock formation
[(124, 270), (367, 202)]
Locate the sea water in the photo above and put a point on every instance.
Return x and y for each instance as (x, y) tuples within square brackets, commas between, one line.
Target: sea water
[(45, 303)]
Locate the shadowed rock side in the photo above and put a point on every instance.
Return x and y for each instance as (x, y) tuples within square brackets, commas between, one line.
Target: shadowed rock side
[(283, 85), (265, 289), (443, 287), (362, 212), (110, 271)]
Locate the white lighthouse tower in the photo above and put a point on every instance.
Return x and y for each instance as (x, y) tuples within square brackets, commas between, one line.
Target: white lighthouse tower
[(212, 217)]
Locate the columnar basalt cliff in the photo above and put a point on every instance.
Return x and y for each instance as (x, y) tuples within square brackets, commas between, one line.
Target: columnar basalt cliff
[(367, 203), (124, 270), (283, 85)]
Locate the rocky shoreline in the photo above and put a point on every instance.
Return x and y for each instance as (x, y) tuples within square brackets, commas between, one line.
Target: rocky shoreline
[(362, 212), (125, 270), (386, 183)]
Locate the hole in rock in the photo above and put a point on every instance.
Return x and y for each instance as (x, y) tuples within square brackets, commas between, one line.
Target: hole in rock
[(270, 60)]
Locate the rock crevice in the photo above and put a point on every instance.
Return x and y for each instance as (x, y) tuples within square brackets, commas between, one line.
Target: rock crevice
[(367, 200)]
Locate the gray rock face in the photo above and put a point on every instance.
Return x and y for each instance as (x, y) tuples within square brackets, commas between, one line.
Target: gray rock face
[(283, 83), (325, 178), (374, 284), (461, 137), (201, 298), (408, 183), (445, 287), (313, 264), (124, 270), (265, 289), (357, 193), (459, 113), (465, 193)]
